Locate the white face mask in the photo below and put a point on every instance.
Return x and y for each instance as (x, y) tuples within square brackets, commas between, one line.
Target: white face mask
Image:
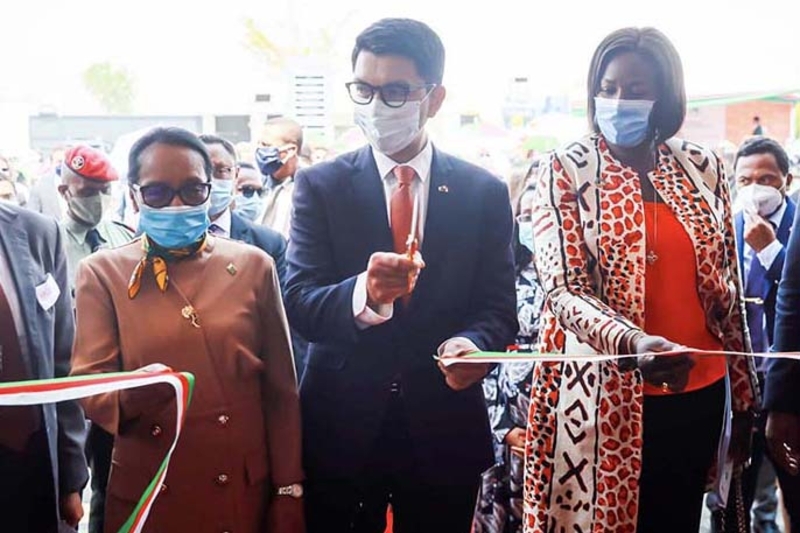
[(761, 199), (389, 129)]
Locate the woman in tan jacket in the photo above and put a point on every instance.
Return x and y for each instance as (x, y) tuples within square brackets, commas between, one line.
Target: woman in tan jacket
[(206, 305)]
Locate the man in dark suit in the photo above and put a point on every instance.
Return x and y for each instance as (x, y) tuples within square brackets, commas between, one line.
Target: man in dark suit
[(226, 223), (42, 464), (761, 170), (781, 398), (381, 423)]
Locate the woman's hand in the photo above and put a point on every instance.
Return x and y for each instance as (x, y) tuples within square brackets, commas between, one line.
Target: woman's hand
[(670, 372), (515, 438)]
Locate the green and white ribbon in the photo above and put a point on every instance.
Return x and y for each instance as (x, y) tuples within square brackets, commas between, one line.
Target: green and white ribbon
[(74, 388)]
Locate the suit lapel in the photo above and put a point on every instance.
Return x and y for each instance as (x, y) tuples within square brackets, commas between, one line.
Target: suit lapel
[(369, 198), (739, 221), (785, 227), (20, 262), (444, 197), (239, 230)]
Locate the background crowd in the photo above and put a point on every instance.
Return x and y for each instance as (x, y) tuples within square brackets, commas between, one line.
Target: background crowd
[(307, 292)]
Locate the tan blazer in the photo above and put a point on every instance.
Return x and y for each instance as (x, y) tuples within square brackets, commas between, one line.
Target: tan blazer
[(242, 433)]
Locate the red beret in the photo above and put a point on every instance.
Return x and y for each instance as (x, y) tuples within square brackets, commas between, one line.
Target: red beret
[(90, 163)]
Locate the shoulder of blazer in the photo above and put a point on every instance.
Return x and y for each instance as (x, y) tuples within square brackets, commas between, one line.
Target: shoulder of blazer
[(461, 169), (328, 173), (700, 163)]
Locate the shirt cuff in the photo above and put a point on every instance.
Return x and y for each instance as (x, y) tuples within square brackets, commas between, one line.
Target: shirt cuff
[(364, 316), (767, 256)]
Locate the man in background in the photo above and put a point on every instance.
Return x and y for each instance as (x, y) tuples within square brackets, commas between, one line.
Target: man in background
[(277, 156), (86, 178), (42, 463)]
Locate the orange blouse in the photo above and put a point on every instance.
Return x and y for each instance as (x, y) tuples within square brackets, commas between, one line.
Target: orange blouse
[(672, 305)]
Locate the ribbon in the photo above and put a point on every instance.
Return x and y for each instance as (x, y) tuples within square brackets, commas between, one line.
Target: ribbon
[(73, 388), (537, 357)]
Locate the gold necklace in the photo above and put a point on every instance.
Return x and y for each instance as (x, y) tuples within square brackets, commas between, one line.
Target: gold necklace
[(652, 256)]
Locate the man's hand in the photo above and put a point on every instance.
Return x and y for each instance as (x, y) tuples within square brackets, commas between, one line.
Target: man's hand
[(783, 441), (758, 232), (285, 515), (391, 276), (72, 509), (461, 376), (670, 370)]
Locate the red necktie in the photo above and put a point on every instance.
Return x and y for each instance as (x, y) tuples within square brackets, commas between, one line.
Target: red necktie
[(402, 207), (18, 423)]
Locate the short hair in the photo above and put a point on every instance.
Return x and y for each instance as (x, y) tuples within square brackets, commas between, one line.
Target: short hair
[(670, 109), (291, 130), (245, 164), (407, 38), (763, 145), (170, 136), (209, 139)]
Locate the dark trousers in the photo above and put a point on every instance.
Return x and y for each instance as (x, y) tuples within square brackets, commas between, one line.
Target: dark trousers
[(98, 453), (681, 433), (359, 504), (790, 487), (27, 499)]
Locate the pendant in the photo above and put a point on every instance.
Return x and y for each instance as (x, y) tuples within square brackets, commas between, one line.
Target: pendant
[(652, 257), (189, 313)]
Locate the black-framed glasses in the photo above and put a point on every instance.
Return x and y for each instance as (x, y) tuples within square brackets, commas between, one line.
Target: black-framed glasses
[(159, 195), (392, 94), (247, 191)]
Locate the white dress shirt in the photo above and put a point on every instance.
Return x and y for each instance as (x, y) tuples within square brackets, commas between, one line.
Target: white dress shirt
[(223, 224), (768, 255), (420, 188), (278, 207)]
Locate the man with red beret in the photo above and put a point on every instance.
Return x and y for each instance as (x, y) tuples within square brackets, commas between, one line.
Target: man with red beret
[(86, 178)]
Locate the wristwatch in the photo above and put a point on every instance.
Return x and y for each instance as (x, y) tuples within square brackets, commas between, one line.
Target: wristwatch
[(295, 490)]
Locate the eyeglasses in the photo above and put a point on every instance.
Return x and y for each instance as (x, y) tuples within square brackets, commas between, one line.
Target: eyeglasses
[(248, 191), (393, 94), (159, 195)]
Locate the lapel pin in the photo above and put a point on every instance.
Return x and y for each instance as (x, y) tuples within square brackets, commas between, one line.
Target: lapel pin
[(444, 188), (231, 268)]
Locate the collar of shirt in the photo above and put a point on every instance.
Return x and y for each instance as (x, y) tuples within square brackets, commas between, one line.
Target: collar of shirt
[(777, 216), (224, 222), (272, 183), (421, 163), (75, 229)]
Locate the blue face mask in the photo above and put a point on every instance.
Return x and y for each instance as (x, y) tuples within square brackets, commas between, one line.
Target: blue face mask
[(526, 235), (248, 207), (221, 196), (624, 123), (268, 160), (174, 226)]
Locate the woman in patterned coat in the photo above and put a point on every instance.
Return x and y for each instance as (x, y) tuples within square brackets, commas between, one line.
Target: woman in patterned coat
[(635, 250)]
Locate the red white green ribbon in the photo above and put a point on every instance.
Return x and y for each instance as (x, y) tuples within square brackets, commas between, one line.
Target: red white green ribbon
[(73, 388), (536, 357)]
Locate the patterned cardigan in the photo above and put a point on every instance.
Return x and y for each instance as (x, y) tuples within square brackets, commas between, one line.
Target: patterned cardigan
[(583, 454)]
